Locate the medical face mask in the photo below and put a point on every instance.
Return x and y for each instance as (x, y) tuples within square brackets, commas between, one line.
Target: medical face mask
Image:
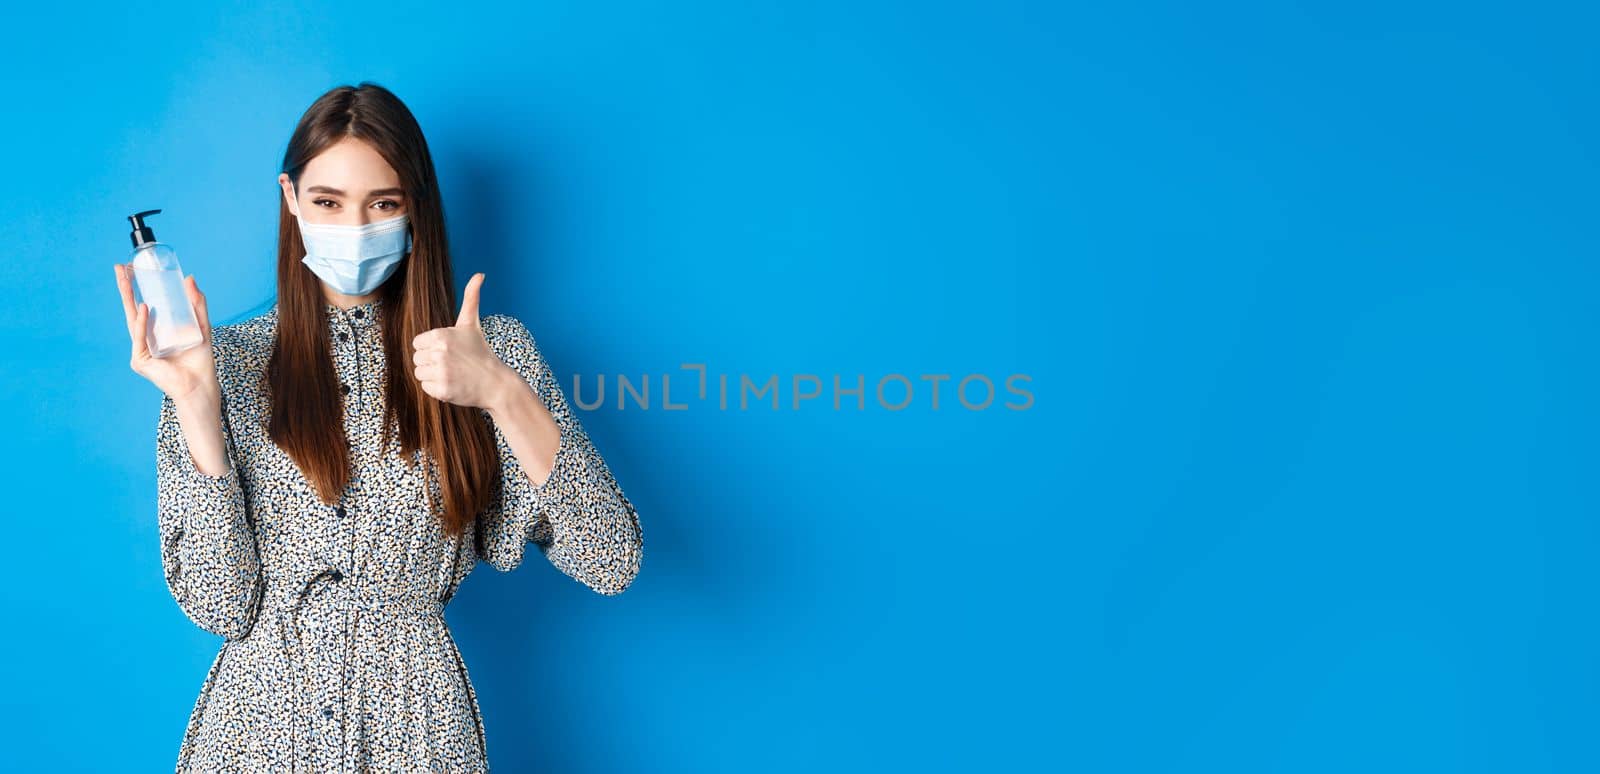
[(355, 260)]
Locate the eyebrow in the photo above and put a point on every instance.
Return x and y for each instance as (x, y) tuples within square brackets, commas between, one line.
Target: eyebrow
[(337, 192)]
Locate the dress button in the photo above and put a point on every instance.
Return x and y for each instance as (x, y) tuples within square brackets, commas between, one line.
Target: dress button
[(344, 336), (336, 576), (339, 511), (327, 712), (360, 313), (345, 388)]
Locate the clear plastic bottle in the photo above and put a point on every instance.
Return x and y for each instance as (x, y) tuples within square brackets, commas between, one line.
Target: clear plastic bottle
[(172, 326)]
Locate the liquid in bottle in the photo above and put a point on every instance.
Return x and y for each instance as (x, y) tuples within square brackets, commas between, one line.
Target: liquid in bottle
[(172, 326)]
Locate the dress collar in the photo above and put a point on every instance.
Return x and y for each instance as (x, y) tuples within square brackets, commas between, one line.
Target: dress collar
[(360, 315)]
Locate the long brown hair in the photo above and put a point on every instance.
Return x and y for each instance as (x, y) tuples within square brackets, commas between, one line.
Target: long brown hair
[(307, 411)]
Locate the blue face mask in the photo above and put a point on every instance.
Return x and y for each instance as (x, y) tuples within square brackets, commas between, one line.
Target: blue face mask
[(355, 260)]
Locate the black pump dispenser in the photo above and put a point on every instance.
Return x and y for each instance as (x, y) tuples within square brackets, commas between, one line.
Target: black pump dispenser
[(142, 235)]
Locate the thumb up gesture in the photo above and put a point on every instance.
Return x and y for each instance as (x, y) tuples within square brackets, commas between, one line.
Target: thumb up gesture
[(455, 364)]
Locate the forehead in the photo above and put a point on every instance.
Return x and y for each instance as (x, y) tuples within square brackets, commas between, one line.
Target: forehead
[(349, 165)]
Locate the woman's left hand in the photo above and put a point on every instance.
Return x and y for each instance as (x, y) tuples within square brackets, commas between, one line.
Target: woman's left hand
[(455, 364)]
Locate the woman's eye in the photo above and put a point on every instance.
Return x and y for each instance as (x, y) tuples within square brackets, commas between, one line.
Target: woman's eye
[(324, 202), (392, 204)]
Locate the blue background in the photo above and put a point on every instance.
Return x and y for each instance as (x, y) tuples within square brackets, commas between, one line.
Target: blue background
[(1305, 293)]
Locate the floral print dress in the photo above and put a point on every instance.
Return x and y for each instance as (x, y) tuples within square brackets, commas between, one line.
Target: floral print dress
[(336, 655)]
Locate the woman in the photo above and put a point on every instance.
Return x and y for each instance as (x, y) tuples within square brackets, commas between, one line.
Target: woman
[(318, 507)]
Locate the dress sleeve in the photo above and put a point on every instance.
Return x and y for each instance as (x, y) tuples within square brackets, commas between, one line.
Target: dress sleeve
[(208, 546), (579, 517)]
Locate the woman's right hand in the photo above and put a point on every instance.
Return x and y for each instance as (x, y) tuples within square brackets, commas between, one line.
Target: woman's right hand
[(183, 376)]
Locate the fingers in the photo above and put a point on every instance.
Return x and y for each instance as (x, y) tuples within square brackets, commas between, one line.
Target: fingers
[(426, 339), (197, 300), (191, 288), (141, 347), (433, 389), (125, 287), (469, 302)]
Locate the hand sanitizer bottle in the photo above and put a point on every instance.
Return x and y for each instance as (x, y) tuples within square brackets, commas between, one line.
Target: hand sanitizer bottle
[(172, 326)]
